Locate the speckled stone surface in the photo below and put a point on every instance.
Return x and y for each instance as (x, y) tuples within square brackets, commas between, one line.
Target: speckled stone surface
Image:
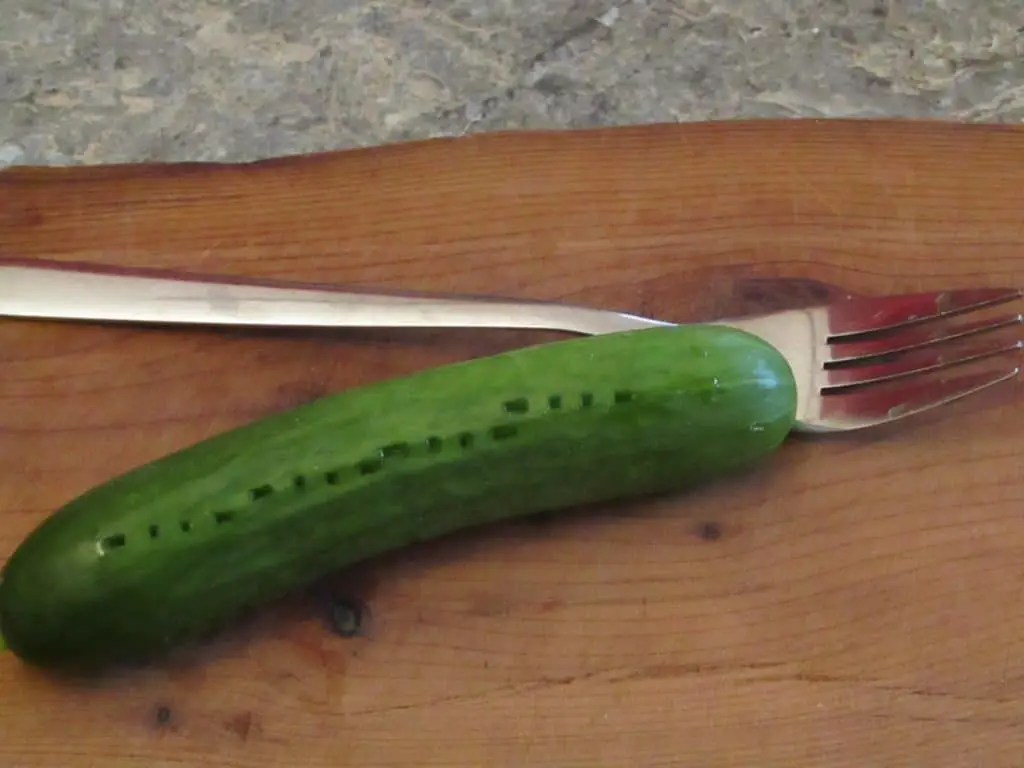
[(121, 80)]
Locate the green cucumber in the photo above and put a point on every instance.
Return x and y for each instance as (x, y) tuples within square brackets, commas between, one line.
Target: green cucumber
[(167, 553)]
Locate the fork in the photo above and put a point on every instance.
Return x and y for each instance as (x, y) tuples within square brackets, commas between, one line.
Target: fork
[(858, 362)]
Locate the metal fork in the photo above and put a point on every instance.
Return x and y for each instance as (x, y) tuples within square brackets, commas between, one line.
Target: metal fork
[(858, 362)]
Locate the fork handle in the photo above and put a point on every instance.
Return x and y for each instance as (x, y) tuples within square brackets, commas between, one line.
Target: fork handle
[(88, 292)]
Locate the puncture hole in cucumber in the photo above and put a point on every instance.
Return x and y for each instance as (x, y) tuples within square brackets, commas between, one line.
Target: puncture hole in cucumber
[(504, 431), (260, 493), (370, 466), (518, 406), (434, 444), (113, 541)]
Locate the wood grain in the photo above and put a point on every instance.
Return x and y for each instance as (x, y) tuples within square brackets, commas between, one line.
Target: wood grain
[(855, 602)]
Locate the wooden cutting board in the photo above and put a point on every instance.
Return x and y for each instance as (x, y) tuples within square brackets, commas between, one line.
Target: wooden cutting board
[(855, 602)]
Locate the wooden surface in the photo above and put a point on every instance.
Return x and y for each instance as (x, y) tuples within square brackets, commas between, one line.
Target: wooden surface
[(855, 602)]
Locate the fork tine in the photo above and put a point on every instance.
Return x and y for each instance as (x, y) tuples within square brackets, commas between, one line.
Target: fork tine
[(915, 337), (854, 317), (913, 363), (875, 405)]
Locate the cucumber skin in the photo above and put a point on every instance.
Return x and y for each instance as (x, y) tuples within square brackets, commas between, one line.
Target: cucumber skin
[(705, 401)]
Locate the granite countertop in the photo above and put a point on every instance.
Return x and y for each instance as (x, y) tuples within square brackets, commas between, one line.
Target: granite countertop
[(118, 80)]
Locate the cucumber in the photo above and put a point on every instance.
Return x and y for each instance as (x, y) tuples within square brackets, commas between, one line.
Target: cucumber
[(168, 552)]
